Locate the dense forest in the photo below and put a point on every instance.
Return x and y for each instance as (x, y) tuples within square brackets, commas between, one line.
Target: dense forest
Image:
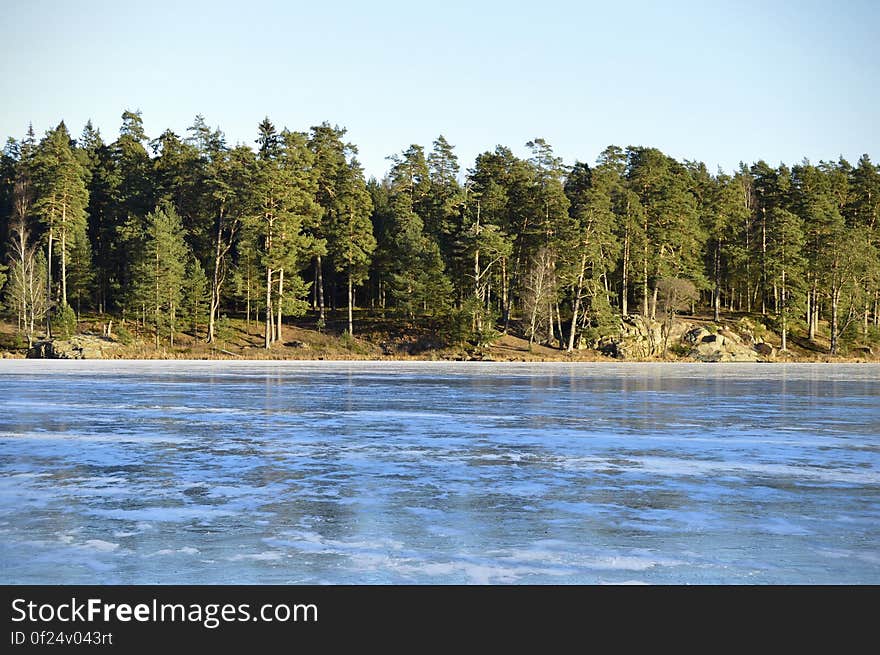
[(172, 233)]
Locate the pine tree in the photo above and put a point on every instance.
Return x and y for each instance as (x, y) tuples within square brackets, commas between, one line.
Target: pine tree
[(81, 274), (492, 185), (331, 155), (62, 198), (229, 181), (863, 211), (417, 279), (672, 235), (785, 264), (445, 198), (136, 189), (481, 252), (285, 184), (722, 210), (538, 209), (195, 295), (103, 216), (180, 178), (813, 200), (591, 247), (350, 234), (158, 272)]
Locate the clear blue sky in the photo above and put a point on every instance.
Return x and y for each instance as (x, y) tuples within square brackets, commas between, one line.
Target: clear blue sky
[(713, 81)]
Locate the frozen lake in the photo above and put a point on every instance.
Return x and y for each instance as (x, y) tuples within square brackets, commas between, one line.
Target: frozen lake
[(336, 472)]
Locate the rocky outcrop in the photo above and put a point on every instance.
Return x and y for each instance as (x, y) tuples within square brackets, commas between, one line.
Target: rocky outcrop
[(695, 335), (638, 338), (721, 350), (730, 336), (81, 346), (641, 338)]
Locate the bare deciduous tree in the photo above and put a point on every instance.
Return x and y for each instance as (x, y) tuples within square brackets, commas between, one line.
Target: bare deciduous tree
[(673, 295), (539, 286)]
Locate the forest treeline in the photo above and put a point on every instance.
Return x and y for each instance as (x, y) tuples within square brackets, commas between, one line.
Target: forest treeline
[(172, 233)]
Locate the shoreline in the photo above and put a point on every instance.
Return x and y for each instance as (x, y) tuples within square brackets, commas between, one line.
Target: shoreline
[(691, 339), (417, 361)]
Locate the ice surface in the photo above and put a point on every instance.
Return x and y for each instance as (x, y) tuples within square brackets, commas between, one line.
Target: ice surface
[(388, 472)]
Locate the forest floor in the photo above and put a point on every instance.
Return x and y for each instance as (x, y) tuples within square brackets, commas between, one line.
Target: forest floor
[(380, 337)]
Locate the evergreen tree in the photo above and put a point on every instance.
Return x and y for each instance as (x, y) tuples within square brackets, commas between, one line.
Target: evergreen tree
[(383, 257), (672, 235), (62, 198), (9, 160), (785, 264), (158, 272), (813, 200), (285, 185), (350, 235), (331, 156), (417, 279), (722, 211), (180, 178), (229, 181), (492, 183), (863, 211), (555, 249), (80, 273), (482, 250), (136, 190), (103, 216), (591, 247), (445, 198), (195, 294)]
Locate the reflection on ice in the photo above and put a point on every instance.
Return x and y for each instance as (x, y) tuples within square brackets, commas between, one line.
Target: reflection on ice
[(243, 472)]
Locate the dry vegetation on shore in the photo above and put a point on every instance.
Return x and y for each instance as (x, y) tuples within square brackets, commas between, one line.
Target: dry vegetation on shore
[(381, 338)]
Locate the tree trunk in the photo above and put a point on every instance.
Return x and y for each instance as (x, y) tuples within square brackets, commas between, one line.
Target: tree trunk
[(350, 302), (559, 325), (215, 291), (748, 269), (320, 272), (624, 278), (314, 293), (248, 301), (811, 319), (64, 256), (835, 302), (477, 322), (808, 310), (645, 278), (532, 322), (49, 287), (268, 333), (784, 309), (763, 261), (158, 296), (716, 300), (505, 294), (577, 302), (654, 304), (280, 302)]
